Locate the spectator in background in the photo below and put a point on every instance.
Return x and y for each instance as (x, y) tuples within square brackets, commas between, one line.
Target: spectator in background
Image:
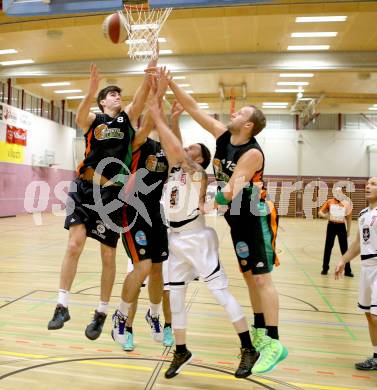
[(338, 211)]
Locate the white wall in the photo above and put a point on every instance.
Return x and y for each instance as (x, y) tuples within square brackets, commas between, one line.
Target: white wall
[(42, 135), (323, 153)]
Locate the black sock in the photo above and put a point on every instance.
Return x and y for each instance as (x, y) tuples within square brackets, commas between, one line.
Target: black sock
[(245, 340), (181, 348), (259, 320), (129, 329), (375, 355), (167, 325), (272, 331)]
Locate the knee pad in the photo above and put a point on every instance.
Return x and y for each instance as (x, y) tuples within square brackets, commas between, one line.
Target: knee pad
[(229, 303), (177, 307)]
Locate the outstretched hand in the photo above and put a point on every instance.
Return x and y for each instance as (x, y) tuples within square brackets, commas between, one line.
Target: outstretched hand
[(93, 80), (176, 110), (164, 78)]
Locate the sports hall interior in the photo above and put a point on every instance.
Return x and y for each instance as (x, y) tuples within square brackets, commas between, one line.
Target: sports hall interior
[(321, 109)]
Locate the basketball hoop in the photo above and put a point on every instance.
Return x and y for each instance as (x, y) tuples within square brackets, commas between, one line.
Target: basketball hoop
[(143, 25)]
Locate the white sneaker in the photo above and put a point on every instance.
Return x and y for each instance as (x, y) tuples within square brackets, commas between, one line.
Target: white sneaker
[(119, 325), (154, 323)]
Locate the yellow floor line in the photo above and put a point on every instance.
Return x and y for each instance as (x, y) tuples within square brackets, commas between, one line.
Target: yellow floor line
[(185, 373)]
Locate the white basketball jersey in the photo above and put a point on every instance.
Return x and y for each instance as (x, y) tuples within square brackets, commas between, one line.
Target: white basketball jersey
[(182, 195), (368, 233)]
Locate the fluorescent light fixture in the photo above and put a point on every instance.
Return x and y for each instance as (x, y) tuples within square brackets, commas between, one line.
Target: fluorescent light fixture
[(303, 99), (184, 85), (275, 107), (320, 34), (372, 108), (179, 77), (68, 90), (16, 62), (316, 19), (143, 40), (8, 51), (147, 52), (202, 104), (374, 105), (75, 97), (189, 91), (293, 65), (275, 103), (57, 84), (288, 90), (297, 83), (308, 47), (298, 75)]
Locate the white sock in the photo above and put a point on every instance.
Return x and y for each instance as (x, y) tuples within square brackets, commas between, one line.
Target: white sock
[(103, 307), (155, 309), (124, 307), (63, 297)]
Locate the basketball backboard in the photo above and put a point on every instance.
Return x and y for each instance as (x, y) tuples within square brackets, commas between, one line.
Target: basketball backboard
[(50, 7)]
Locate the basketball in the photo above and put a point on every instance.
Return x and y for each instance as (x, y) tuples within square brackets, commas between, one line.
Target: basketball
[(114, 28)]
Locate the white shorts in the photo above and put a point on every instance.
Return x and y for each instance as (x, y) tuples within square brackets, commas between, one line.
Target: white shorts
[(165, 274), (194, 253), (368, 286)]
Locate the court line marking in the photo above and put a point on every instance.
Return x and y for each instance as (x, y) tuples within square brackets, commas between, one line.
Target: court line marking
[(260, 380), (323, 296)]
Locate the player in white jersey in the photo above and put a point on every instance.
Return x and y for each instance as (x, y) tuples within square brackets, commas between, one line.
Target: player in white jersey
[(193, 247), (365, 244)]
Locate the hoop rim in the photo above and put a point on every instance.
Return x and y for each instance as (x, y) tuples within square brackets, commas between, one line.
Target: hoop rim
[(144, 6)]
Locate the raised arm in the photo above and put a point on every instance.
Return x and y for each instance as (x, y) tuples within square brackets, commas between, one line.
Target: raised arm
[(170, 143), (84, 117), (246, 167), (212, 125), (175, 112), (324, 210), (136, 107), (147, 125)]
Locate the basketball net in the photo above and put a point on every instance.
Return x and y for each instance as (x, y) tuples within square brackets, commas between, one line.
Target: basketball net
[(143, 25)]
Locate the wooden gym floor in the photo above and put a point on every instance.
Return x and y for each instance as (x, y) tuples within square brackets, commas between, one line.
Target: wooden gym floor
[(319, 321)]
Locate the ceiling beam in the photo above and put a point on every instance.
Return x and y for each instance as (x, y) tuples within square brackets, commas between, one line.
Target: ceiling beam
[(235, 62)]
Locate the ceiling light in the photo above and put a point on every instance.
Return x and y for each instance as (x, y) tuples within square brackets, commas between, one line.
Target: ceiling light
[(374, 105), (8, 51), (275, 107), (184, 85), (314, 19), (288, 90), (189, 91), (16, 62), (302, 98), (323, 34), (309, 47), (148, 52), (275, 103), (372, 108), (292, 65), (202, 104), (58, 84), (179, 77), (298, 75), (75, 97), (143, 40), (68, 90), (292, 83)]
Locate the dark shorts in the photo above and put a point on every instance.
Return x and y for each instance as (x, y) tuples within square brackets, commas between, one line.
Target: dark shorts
[(142, 241), (103, 229), (254, 238)]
